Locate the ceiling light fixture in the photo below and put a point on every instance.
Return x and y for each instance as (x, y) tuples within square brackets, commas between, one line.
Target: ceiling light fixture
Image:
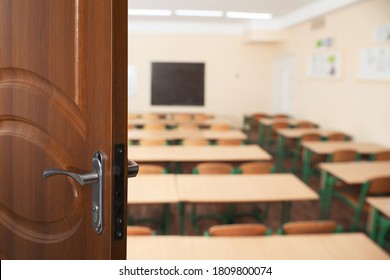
[(198, 13), (242, 15), (142, 12)]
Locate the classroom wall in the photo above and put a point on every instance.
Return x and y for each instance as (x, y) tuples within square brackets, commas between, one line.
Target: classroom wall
[(356, 106), (237, 75)]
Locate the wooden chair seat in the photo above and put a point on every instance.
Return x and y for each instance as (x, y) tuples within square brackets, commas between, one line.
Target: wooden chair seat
[(229, 142), (309, 227), (195, 142), (382, 156), (238, 230), (153, 142), (154, 126), (151, 169), (201, 117), (214, 168), (256, 168), (139, 230), (220, 127)]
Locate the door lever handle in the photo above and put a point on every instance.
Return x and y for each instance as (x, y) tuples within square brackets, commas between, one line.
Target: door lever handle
[(95, 177), (83, 179), (132, 169)]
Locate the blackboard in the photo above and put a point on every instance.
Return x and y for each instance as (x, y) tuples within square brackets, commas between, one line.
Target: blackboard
[(178, 83)]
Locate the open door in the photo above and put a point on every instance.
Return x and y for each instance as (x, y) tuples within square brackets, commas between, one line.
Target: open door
[(63, 102)]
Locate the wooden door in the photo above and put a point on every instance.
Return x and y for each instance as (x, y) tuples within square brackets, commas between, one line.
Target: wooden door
[(62, 97)]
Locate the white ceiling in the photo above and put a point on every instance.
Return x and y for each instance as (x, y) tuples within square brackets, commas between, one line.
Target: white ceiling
[(285, 13), (276, 7)]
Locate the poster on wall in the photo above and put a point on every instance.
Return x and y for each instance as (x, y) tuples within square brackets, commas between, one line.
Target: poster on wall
[(325, 65), (382, 33), (374, 63)]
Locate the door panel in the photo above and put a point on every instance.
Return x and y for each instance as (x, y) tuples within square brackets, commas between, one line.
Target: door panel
[(57, 102)]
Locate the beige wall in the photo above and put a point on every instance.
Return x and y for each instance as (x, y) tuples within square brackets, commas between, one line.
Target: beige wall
[(359, 107), (237, 79)]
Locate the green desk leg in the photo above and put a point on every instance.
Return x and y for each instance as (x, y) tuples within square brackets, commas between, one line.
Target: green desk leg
[(323, 194), (261, 134), (182, 216), (286, 213), (280, 153), (166, 221), (372, 226), (326, 196), (384, 225), (306, 164)]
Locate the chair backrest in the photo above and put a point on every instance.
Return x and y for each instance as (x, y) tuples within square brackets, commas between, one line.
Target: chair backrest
[(280, 116), (238, 230), (201, 117), (229, 142), (311, 137), (154, 126), (379, 186), (150, 169), (132, 116), (385, 155), (305, 124), (195, 142), (256, 168), (309, 227), (214, 168), (139, 230), (181, 117), (153, 142), (344, 156), (220, 127), (280, 124), (187, 126), (337, 136), (150, 117)]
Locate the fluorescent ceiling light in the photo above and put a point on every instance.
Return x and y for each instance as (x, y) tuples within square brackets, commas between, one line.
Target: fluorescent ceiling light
[(248, 15), (198, 13), (142, 12)]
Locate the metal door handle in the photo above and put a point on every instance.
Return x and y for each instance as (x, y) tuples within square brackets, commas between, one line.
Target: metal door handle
[(95, 177), (83, 179), (132, 168)]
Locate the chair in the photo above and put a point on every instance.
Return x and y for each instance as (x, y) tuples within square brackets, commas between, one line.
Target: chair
[(187, 126), (305, 124), (256, 168), (139, 230), (254, 122), (298, 151), (195, 142), (238, 230), (229, 142), (151, 169), (337, 136), (310, 227), (275, 127), (150, 117), (132, 116), (201, 117), (154, 126), (153, 142), (375, 187), (220, 127), (280, 116), (181, 117), (211, 168), (382, 156), (343, 156)]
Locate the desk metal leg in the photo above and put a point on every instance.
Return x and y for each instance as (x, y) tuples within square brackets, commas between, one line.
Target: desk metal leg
[(373, 223), (166, 220), (306, 164), (261, 135), (280, 153), (326, 196), (384, 225), (182, 216), (286, 212)]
